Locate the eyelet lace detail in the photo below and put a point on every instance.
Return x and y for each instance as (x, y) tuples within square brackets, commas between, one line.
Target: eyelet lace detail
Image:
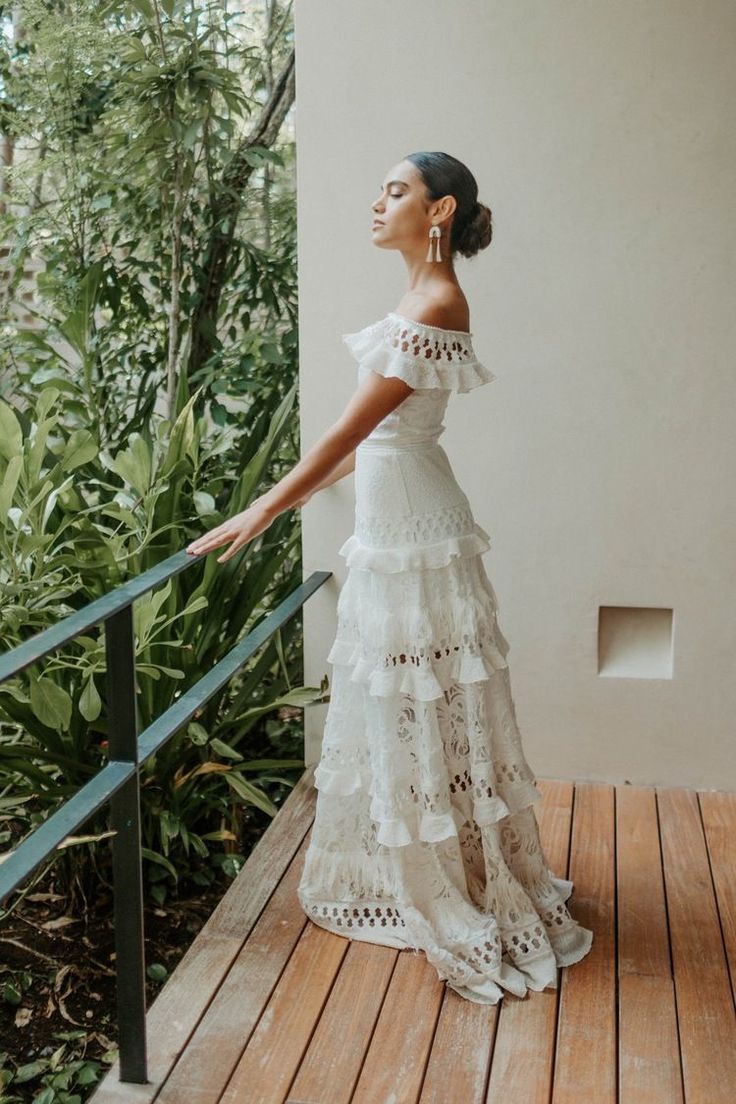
[(367, 916), (428, 342), (387, 532), (425, 357)]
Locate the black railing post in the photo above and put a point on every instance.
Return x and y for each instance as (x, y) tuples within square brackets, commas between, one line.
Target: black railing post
[(125, 819), (118, 782)]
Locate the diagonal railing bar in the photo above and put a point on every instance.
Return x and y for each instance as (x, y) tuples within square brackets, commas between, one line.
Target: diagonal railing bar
[(184, 708), (15, 661), (44, 840), (119, 780)]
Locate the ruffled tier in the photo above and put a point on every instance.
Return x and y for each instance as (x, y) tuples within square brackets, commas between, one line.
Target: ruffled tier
[(423, 683), (426, 768), (395, 829), (420, 557), (419, 632), (372, 348)]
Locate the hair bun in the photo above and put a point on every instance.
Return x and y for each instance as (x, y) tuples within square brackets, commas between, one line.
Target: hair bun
[(477, 232)]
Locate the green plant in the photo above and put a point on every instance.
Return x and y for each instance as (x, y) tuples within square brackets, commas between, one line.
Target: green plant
[(80, 521), (56, 1078)]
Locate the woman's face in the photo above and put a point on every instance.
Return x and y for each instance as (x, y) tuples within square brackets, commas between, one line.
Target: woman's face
[(402, 215)]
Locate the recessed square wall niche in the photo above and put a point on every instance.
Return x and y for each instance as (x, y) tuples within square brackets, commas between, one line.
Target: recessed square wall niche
[(634, 642)]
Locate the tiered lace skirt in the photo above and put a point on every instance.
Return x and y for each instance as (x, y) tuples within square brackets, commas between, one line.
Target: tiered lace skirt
[(425, 835)]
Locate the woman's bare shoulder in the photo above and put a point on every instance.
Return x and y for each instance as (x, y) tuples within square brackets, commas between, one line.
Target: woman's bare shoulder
[(449, 311)]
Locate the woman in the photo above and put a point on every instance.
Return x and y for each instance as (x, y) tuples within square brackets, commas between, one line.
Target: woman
[(425, 836)]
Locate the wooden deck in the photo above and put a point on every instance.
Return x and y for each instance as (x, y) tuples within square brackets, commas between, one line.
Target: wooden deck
[(265, 1007)]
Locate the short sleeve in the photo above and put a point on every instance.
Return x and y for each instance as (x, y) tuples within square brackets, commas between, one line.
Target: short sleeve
[(425, 357)]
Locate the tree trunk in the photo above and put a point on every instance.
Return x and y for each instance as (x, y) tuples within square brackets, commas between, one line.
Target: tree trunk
[(216, 269)]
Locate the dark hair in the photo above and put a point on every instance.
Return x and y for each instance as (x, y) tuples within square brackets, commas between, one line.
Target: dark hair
[(443, 175)]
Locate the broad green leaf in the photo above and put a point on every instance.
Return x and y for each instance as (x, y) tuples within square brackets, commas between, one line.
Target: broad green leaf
[(224, 749), (9, 483), (196, 605), (182, 435), (197, 733), (146, 611), (51, 501), (10, 434), (155, 857), (250, 793), (50, 703), (90, 704), (46, 400), (204, 503), (80, 449), (133, 464), (28, 1072)]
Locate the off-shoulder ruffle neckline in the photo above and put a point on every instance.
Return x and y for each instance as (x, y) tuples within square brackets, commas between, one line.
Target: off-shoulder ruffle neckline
[(445, 360)]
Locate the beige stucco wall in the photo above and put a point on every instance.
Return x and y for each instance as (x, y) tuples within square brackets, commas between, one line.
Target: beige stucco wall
[(602, 460)]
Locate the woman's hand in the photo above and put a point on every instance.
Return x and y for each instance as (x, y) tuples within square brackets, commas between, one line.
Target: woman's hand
[(239, 529)]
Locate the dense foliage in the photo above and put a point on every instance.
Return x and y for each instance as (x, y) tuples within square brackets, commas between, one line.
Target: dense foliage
[(148, 370)]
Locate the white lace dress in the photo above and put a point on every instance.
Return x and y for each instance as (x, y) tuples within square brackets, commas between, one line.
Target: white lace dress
[(425, 836)]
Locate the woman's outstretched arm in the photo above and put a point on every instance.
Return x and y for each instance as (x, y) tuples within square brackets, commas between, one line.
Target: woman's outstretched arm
[(376, 397), (338, 472)]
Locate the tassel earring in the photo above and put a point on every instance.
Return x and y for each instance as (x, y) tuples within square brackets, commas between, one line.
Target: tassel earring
[(434, 233)]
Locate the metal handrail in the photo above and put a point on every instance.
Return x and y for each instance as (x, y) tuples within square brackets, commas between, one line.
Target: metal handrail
[(119, 780)]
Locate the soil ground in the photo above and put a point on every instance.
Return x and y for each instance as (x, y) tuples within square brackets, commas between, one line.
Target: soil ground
[(70, 964)]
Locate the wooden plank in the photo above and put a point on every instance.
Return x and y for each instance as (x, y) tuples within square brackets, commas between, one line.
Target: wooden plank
[(523, 1056), (395, 1062), (585, 1060), (274, 1051), (649, 1055), (267, 1007), (718, 811), (177, 1009), (460, 1058), (331, 1066), (702, 984), (222, 1034)]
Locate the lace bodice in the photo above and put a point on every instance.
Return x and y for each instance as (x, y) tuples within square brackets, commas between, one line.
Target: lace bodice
[(432, 360)]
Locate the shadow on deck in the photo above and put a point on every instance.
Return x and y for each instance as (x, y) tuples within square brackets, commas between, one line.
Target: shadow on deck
[(265, 1007)]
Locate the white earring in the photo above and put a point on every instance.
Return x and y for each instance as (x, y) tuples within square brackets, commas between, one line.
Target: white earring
[(434, 233)]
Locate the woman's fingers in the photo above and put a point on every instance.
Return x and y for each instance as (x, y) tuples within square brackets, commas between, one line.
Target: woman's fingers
[(213, 539), (234, 547), (239, 530)]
